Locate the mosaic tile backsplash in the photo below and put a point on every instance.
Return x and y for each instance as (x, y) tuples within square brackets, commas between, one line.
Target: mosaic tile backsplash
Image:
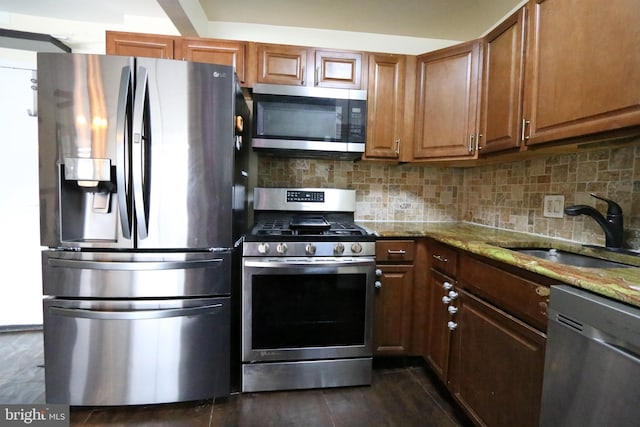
[(508, 195)]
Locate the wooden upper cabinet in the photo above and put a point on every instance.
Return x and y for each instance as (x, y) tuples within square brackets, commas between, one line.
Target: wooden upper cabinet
[(145, 45), (304, 66), (502, 85), (338, 69), (447, 107), (385, 105), (285, 65), (583, 65), (224, 52)]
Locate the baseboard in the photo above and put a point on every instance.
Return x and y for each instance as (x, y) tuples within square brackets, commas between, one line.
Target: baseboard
[(20, 328)]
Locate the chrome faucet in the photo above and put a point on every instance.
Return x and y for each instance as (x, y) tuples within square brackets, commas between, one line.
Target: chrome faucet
[(612, 224)]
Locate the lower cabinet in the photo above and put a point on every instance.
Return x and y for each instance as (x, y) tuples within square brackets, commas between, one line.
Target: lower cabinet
[(485, 335), (497, 364), (438, 329), (393, 298)]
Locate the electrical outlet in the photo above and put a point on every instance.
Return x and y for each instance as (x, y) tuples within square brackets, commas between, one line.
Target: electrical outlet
[(553, 206)]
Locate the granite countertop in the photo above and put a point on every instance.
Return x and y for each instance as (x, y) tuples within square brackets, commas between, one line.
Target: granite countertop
[(622, 284)]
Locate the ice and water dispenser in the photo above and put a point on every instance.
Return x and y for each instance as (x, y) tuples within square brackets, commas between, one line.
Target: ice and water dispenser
[(88, 200)]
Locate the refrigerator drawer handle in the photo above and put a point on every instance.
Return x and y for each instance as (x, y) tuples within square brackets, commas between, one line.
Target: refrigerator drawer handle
[(133, 266), (134, 314)]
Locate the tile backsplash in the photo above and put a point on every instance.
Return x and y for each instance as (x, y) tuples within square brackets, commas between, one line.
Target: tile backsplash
[(507, 195)]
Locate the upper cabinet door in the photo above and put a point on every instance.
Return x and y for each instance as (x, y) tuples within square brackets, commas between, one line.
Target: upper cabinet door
[(502, 85), (338, 69), (143, 45), (223, 52), (583, 67), (287, 65), (385, 98), (446, 111)]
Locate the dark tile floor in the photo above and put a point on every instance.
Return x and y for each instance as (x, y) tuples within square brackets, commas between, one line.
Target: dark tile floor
[(402, 393)]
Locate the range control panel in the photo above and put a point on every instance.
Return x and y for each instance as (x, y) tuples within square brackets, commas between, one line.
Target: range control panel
[(305, 196)]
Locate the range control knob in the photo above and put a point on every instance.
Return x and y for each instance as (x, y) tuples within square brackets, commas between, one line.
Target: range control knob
[(448, 286), (356, 248), (263, 248), (378, 272), (452, 325), (378, 284), (338, 249), (453, 294), (281, 248), (310, 249), (452, 309), (446, 299)]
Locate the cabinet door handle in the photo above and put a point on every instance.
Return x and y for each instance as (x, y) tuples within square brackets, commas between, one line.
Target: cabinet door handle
[(317, 82), (396, 252), (471, 137), (302, 76), (523, 136), (398, 147), (440, 258)]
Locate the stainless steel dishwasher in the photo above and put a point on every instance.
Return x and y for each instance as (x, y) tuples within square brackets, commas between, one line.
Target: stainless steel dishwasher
[(592, 361)]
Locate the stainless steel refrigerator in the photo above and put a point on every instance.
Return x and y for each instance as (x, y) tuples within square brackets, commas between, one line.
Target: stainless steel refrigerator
[(142, 198)]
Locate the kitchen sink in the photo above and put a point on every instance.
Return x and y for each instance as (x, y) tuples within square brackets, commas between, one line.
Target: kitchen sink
[(570, 258)]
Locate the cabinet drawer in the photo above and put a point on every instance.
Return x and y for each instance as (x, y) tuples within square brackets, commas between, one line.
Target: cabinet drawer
[(444, 258), (394, 250), (523, 298)]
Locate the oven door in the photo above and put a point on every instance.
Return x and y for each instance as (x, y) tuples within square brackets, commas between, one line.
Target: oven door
[(307, 308)]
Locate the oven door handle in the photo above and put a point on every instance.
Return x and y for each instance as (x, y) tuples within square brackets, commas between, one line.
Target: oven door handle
[(306, 263)]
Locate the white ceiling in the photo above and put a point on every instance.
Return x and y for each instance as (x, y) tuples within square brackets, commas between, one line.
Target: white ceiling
[(438, 19)]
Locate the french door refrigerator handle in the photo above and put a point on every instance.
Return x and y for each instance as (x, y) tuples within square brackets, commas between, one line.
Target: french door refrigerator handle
[(161, 313), (123, 152), (140, 143), (133, 266)]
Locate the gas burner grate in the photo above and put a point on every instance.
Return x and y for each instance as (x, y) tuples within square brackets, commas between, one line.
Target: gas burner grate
[(276, 224)]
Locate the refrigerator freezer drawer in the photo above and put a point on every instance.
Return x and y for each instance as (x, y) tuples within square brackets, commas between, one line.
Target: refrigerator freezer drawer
[(130, 352), (135, 274)]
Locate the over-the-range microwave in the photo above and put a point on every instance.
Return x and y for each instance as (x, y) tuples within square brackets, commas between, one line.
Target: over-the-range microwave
[(299, 121)]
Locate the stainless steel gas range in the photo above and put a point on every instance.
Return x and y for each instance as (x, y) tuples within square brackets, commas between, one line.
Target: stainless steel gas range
[(307, 292)]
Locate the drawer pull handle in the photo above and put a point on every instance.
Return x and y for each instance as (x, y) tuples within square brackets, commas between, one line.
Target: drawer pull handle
[(396, 252), (440, 258), (543, 291)]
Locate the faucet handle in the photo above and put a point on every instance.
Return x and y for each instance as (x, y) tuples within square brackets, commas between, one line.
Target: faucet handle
[(612, 207)]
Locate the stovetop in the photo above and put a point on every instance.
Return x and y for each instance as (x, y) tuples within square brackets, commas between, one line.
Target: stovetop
[(308, 227), (306, 222)]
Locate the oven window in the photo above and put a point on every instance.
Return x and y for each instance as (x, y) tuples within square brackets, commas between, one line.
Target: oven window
[(309, 310)]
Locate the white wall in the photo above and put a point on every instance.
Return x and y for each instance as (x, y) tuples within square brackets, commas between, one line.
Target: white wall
[(89, 37), (20, 276)]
